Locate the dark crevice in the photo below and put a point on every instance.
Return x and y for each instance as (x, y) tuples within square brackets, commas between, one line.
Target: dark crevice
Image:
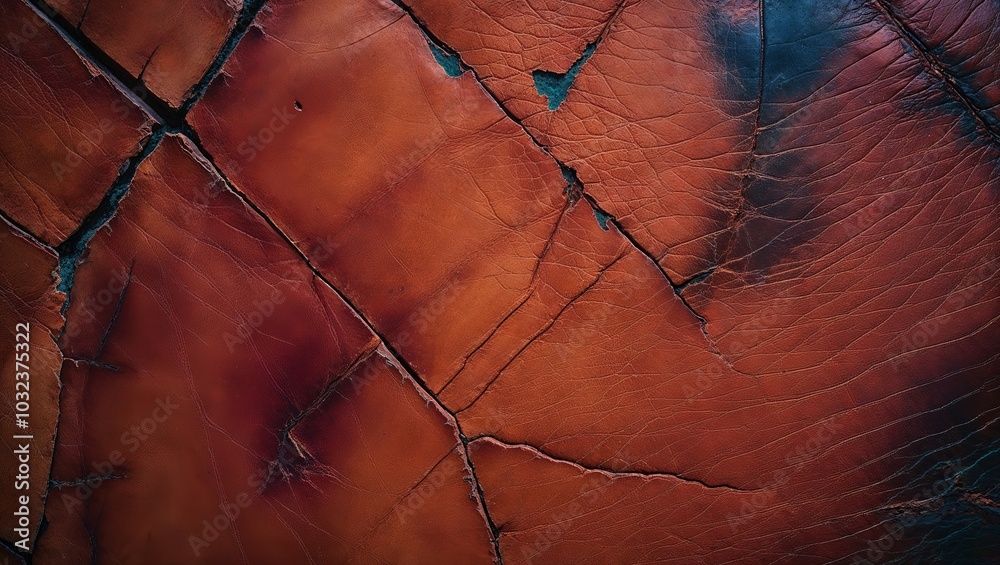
[(134, 87), (602, 219), (83, 15), (554, 86), (327, 390), (71, 250), (170, 120), (432, 38), (54, 484), (149, 59), (494, 531), (574, 187), (14, 550), (568, 172), (702, 322), (610, 472), (118, 309), (130, 86), (938, 70), (95, 548), (614, 221), (243, 21), (463, 440)]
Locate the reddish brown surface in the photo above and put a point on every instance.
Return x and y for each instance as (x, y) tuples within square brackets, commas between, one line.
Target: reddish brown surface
[(965, 35), (28, 296), (168, 44), (66, 130), (404, 332), (656, 133), (251, 363)]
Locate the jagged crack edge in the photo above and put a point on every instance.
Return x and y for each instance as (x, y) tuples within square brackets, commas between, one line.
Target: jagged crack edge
[(71, 250), (569, 173), (954, 86), (131, 87)]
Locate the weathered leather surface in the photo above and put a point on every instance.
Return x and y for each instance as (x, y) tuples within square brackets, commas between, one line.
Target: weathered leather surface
[(533, 281), (66, 129)]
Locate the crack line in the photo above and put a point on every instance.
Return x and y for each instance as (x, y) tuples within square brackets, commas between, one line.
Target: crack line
[(545, 149), (130, 87), (609, 472), (24, 231)]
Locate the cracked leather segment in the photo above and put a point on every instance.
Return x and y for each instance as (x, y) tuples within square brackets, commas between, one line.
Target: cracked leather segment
[(167, 44), (438, 199), (241, 405), (505, 41), (66, 129), (546, 509), (659, 122), (28, 295)]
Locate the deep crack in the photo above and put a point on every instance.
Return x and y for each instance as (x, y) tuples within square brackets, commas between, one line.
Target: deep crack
[(71, 250), (129, 86)]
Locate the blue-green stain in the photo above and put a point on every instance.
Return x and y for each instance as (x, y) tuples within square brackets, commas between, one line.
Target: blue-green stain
[(602, 219), (555, 86), (450, 62)]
